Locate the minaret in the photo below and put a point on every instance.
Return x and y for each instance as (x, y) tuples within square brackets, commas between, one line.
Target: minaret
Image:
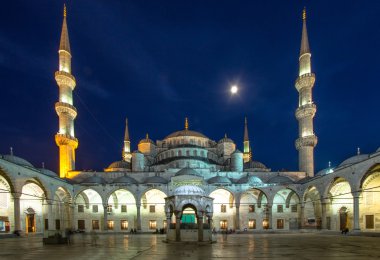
[(65, 138), (306, 108), (247, 149), (127, 144)]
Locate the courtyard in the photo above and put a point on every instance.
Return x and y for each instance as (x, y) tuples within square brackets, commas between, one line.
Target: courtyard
[(236, 246)]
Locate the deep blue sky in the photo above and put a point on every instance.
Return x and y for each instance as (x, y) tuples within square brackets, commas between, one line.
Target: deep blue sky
[(159, 61)]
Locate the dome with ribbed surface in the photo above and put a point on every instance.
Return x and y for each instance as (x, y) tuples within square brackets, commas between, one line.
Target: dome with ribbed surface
[(254, 165), (189, 190), (155, 179), (17, 160), (186, 171), (124, 180), (93, 180), (219, 180), (120, 165), (354, 159), (185, 132), (252, 180)]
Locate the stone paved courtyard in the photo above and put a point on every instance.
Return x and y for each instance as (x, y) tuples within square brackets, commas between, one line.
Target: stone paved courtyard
[(242, 246)]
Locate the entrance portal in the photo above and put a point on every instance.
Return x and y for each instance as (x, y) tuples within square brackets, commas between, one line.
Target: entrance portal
[(30, 220), (343, 218)]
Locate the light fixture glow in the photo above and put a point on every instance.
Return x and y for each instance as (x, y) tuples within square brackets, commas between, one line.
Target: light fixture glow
[(234, 89)]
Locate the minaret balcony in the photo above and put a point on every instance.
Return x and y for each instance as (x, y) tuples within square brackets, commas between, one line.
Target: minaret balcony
[(307, 110), (305, 81), (309, 140), (64, 139), (65, 108), (65, 79)]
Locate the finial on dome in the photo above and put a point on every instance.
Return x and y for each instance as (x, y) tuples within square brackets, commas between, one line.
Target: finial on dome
[(64, 10), (358, 150), (304, 13), (147, 136), (225, 135), (43, 165), (186, 124), (11, 150), (329, 164)]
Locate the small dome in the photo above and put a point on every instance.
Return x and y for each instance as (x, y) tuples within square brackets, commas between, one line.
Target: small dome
[(324, 171), (124, 180), (120, 165), (254, 165), (185, 132), (48, 172), (146, 140), (155, 179), (225, 139), (237, 151), (189, 190), (219, 180), (251, 180), (17, 160), (94, 180), (186, 171), (280, 179), (354, 159)]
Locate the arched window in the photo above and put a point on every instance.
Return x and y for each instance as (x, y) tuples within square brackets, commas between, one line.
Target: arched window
[(202, 154), (179, 153), (187, 153), (195, 153), (172, 154)]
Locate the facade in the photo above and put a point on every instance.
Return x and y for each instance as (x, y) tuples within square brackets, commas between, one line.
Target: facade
[(190, 179)]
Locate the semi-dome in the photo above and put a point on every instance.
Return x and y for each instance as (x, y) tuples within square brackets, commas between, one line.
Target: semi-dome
[(189, 190), (280, 180), (186, 171), (17, 160), (48, 172), (185, 132), (354, 159), (155, 180), (124, 180), (94, 180), (251, 180), (219, 180), (120, 165)]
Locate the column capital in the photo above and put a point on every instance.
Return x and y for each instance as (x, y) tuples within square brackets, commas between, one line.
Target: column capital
[(16, 195), (356, 194)]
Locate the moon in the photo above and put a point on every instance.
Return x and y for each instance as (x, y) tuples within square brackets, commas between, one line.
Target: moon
[(234, 89)]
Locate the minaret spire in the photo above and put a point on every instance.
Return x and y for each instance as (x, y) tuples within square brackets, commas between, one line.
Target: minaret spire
[(247, 148), (186, 124), (306, 110), (65, 138), (127, 144)]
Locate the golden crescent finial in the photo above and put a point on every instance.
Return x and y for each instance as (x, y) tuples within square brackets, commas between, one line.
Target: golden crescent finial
[(64, 10), (186, 123), (304, 14)]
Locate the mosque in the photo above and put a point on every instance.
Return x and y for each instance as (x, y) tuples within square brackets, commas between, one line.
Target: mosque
[(188, 185)]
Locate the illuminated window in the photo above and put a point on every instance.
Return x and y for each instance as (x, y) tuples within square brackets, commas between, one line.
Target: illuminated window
[(294, 208), (123, 208), (95, 208), (280, 208), (369, 222), (251, 208), (252, 224), (81, 224), (223, 224), (152, 208), (110, 224), (280, 224), (109, 208), (152, 224), (265, 223), (223, 208), (80, 208), (95, 224), (165, 223), (124, 224)]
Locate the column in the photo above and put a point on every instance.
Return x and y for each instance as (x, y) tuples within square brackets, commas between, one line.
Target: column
[(178, 227), (168, 222), (72, 215), (51, 220), (16, 202), (138, 216), (237, 221), (105, 217), (356, 196), (302, 216), (324, 215), (270, 220), (200, 228)]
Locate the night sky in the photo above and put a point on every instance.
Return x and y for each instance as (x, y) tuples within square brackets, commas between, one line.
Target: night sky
[(157, 62)]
